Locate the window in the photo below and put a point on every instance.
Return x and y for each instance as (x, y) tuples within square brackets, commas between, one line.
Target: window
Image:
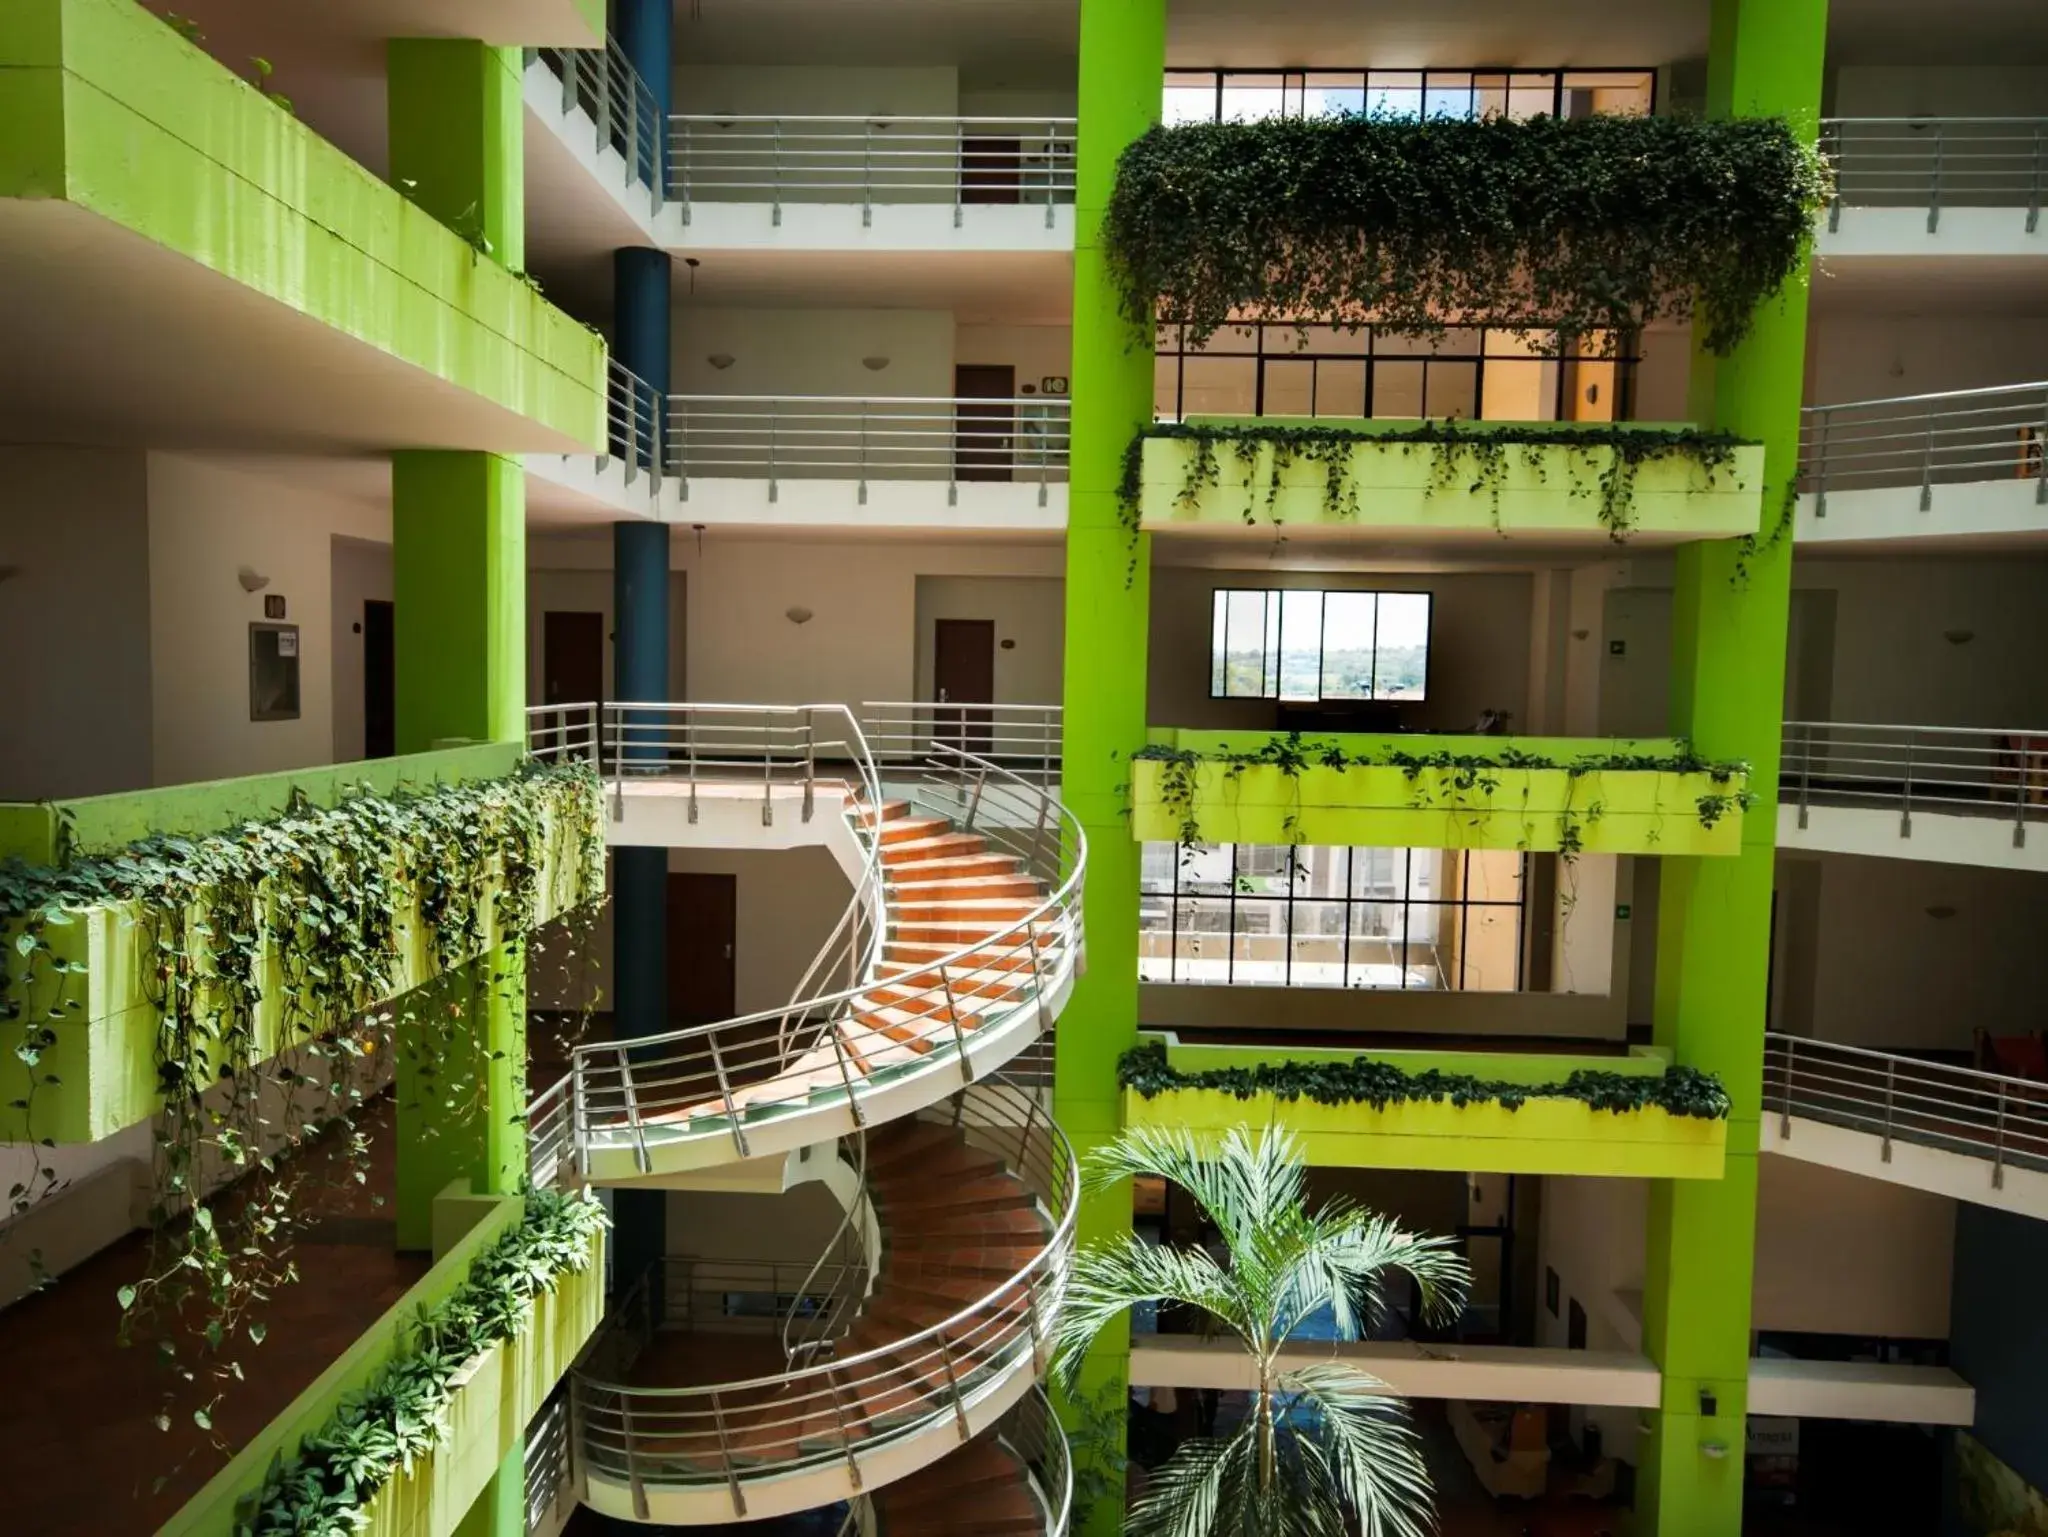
[(1239, 95), (1313, 916), (1310, 645), (1475, 373)]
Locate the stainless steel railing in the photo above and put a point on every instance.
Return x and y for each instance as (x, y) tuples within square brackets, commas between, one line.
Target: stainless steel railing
[(1033, 1432), (550, 1482), (832, 437), (551, 1138), (737, 1066), (1926, 441), (1905, 1099), (964, 161), (603, 85), (1936, 163), (1024, 738), (2000, 773), (842, 1409), (633, 424)]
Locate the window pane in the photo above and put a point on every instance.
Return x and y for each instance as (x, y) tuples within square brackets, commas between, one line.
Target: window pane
[(1488, 950), (1397, 387), (1348, 619), (1315, 944), (1322, 341), (1319, 870), (1394, 92), (1340, 387), (1219, 646), (1205, 870), (1326, 94), (1401, 654), (1262, 870), (1452, 389), (1532, 96), (1492, 875), (1423, 877), (1611, 91), (1447, 95), (1519, 392), (1166, 387), (1190, 97), (1489, 95), (1245, 656), (1301, 644), (1213, 386), (1269, 681), (1290, 387), (1247, 98)]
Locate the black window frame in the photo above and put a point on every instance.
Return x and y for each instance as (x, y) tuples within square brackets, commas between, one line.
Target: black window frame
[(1218, 597)]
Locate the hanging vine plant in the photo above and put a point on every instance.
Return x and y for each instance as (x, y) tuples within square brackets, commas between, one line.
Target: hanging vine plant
[(1680, 1091), (1464, 458), (267, 952), (1592, 226)]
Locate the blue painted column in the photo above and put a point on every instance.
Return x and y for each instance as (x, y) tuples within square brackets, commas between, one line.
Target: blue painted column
[(640, 343), (644, 31), (639, 875)]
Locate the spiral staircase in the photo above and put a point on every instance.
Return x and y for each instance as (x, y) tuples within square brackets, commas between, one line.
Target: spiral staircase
[(909, 1074)]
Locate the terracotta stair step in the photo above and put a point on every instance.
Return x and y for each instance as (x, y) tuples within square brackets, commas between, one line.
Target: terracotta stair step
[(957, 932), (889, 810), (873, 1050), (901, 958), (943, 845), (896, 1147), (914, 829), (895, 1032), (971, 888), (980, 982), (1008, 910)]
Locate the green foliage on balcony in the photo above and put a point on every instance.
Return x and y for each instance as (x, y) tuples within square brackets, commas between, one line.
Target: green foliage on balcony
[(1680, 1091), (1592, 226)]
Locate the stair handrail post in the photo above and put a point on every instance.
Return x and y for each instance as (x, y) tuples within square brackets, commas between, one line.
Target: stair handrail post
[(810, 761), (2034, 186), (953, 1016), (974, 802), (732, 1114), (1791, 1066), (953, 1386), (1906, 792), (732, 1476), (632, 1099), (852, 1097), (1998, 1142), (633, 1478), (1891, 1078), (1934, 179)]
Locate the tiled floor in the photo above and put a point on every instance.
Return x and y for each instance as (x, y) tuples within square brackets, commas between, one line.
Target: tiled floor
[(79, 1452)]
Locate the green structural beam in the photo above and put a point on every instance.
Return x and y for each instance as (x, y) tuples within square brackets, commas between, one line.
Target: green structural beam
[(456, 115), (1730, 618), (1108, 589)]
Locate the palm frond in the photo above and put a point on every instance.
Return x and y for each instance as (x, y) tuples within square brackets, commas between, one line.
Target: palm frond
[(1341, 1257), (1362, 1438), (1197, 1491), (1111, 1277), (1242, 1183)]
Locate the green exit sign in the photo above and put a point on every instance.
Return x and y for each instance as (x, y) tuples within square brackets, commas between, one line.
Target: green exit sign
[(1621, 912)]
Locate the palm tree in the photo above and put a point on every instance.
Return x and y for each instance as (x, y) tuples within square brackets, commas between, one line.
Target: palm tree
[(1326, 1450)]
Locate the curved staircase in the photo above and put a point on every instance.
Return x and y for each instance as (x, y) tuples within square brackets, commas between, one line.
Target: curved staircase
[(907, 1375)]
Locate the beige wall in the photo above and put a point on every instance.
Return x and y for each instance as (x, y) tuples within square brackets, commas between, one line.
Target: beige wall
[(74, 622), (771, 90), (209, 518), (1840, 1254), (813, 351), (1030, 618)]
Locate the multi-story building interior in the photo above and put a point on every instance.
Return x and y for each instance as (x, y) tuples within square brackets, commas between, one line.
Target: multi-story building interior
[(668, 501)]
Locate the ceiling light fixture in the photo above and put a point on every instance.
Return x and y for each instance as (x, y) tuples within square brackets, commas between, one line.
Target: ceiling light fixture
[(874, 365)]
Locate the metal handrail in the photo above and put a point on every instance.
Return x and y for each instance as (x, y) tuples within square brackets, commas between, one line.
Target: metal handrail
[(1936, 163), (604, 86), (551, 1136), (620, 1087), (1908, 1099), (964, 161), (1033, 1432), (1024, 737), (687, 1435), (888, 437), (634, 420), (549, 1479), (1946, 438), (1976, 769)]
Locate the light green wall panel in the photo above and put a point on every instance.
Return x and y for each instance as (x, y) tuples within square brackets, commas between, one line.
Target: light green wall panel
[(487, 1418), (1549, 491), (1621, 811), (102, 105)]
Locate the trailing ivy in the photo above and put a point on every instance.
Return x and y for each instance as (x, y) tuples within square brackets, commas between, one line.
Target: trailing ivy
[(1590, 226), (1682, 1091), (401, 1417), (1464, 458), (318, 894)]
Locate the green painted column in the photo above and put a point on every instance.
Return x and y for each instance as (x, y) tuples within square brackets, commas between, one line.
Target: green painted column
[(455, 111), (1713, 937), (458, 533), (500, 1511), (1108, 592)]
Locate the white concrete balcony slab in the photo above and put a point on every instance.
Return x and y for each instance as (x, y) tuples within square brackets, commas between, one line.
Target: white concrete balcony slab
[(1935, 189), (1945, 794), (1964, 466)]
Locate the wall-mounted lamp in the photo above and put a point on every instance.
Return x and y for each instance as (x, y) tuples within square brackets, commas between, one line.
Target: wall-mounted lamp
[(1593, 393), (797, 614), (1941, 912), (1714, 1449), (874, 365), (1958, 637), (720, 361), (251, 579), (1581, 634)]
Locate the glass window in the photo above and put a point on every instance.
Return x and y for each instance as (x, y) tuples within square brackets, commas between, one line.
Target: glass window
[(1290, 387), (1340, 387), (1308, 644), (1213, 386), (1313, 916), (1397, 387), (1191, 96), (1208, 95)]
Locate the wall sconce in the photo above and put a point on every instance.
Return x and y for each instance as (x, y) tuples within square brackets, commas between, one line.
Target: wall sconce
[(1593, 393), (1958, 637), (1581, 634), (1941, 912), (874, 365), (797, 614), (251, 579), (720, 361)]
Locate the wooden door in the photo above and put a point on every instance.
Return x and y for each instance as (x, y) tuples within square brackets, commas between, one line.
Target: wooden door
[(984, 436), (702, 930), (992, 170), (964, 673), (380, 680), (572, 671)]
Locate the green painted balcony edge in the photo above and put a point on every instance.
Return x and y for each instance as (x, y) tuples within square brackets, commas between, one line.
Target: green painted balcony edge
[(1544, 1136), (489, 1414), (104, 1059), (1549, 491), (103, 107), (1535, 810)]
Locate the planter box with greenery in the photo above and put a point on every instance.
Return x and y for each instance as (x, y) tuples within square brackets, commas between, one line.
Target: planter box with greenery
[(261, 913), (124, 138), (399, 1436), (1490, 1112), (1557, 479), (1473, 792)]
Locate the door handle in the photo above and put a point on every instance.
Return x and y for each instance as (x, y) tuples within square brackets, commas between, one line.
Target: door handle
[(728, 952)]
